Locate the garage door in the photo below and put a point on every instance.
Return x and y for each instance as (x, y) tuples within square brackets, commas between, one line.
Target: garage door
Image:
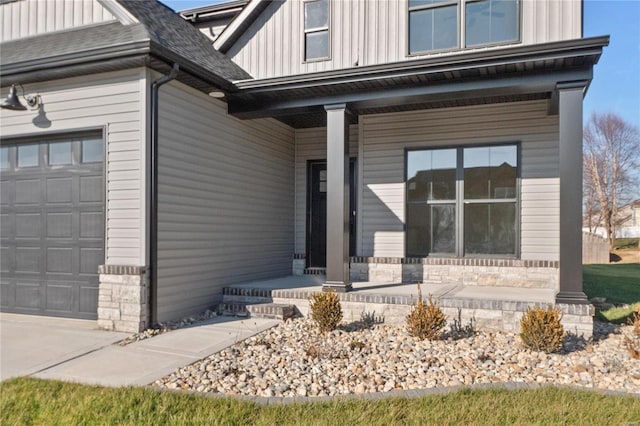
[(52, 226)]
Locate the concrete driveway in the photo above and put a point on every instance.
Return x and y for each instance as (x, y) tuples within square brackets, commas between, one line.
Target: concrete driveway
[(29, 344)]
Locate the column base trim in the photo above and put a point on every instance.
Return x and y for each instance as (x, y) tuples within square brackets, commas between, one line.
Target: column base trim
[(572, 297), (337, 286)]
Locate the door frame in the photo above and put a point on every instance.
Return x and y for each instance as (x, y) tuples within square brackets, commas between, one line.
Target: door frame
[(353, 206)]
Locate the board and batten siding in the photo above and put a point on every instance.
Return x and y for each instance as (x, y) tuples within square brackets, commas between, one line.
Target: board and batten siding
[(113, 103), (311, 144), (385, 137), (225, 200), (364, 32), (26, 18)]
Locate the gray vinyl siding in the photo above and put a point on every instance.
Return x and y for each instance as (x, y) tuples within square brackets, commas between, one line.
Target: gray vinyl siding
[(114, 103), (25, 18), (225, 200), (386, 136), (366, 32), (311, 144)]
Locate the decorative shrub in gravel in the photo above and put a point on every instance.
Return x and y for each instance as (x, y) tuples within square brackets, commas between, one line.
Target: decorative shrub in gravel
[(325, 310), (633, 343), (541, 329), (426, 320)]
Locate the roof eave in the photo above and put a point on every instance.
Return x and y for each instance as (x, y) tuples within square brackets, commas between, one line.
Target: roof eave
[(555, 50)]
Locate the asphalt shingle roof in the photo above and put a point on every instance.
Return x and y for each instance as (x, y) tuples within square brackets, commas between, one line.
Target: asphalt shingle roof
[(159, 26), (171, 31)]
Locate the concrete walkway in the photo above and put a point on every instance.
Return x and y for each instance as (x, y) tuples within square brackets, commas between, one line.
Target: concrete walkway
[(75, 351)]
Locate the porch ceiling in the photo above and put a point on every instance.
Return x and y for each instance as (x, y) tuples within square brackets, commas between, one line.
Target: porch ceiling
[(505, 75)]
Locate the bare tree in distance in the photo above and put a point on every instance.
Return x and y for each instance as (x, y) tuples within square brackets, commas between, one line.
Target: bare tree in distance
[(611, 156)]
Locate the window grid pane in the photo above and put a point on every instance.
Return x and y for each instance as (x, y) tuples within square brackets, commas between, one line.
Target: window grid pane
[(316, 14), (433, 29), (92, 151), (4, 158), (491, 21), (60, 153), (28, 156), (317, 45)]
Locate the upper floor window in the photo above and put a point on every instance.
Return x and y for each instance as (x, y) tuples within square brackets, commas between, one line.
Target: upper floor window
[(436, 24), (316, 29)]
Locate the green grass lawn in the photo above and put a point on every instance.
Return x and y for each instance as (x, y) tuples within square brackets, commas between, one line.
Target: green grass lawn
[(31, 401), (618, 283)]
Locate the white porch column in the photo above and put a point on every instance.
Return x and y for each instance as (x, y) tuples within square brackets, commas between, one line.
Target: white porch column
[(570, 97), (337, 199)]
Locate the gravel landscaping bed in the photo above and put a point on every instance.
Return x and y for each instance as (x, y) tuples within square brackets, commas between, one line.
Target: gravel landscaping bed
[(293, 359)]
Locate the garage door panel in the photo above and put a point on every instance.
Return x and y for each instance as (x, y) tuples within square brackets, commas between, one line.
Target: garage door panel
[(59, 296), (91, 225), (28, 295), (60, 260), (27, 191), (7, 294), (88, 299), (59, 190), (6, 193), (91, 189), (60, 225), (28, 225), (90, 259), (6, 259), (7, 226), (28, 260)]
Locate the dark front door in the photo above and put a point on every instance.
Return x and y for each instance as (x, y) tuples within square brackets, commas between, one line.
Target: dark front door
[(317, 213)]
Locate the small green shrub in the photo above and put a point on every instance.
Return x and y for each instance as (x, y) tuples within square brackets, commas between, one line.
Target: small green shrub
[(540, 329), (326, 310), (426, 320)]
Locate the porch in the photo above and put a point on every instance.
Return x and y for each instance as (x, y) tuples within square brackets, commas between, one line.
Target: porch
[(491, 307)]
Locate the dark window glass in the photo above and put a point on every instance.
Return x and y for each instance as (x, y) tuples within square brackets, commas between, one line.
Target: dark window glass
[(433, 29), (4, 158), (59, 153), (431, 175), (28, 156), (490, 172), (430, 229), (317, 45), (316, 14), (92, 150), (489, 228), (491, 21), (487, 209)]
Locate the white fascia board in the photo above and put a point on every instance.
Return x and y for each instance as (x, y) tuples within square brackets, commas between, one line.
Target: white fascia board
[(235, 25), (119, 11)]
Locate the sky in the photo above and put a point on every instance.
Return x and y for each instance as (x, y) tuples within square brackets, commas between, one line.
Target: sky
[(616, 84)]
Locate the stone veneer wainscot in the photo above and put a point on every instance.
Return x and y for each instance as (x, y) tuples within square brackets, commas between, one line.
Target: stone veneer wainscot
[(123, 298)]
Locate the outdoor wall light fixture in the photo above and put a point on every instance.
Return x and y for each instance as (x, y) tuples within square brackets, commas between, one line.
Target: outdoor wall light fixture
[(12, 101)]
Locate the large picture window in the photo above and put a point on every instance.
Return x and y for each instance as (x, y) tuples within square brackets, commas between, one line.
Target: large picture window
[(437, 24), (462, 201), (316, 30)]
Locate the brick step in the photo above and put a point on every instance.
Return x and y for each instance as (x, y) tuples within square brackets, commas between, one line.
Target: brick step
[(247, 291), (315, 271), (259, 310), (232, 298)]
